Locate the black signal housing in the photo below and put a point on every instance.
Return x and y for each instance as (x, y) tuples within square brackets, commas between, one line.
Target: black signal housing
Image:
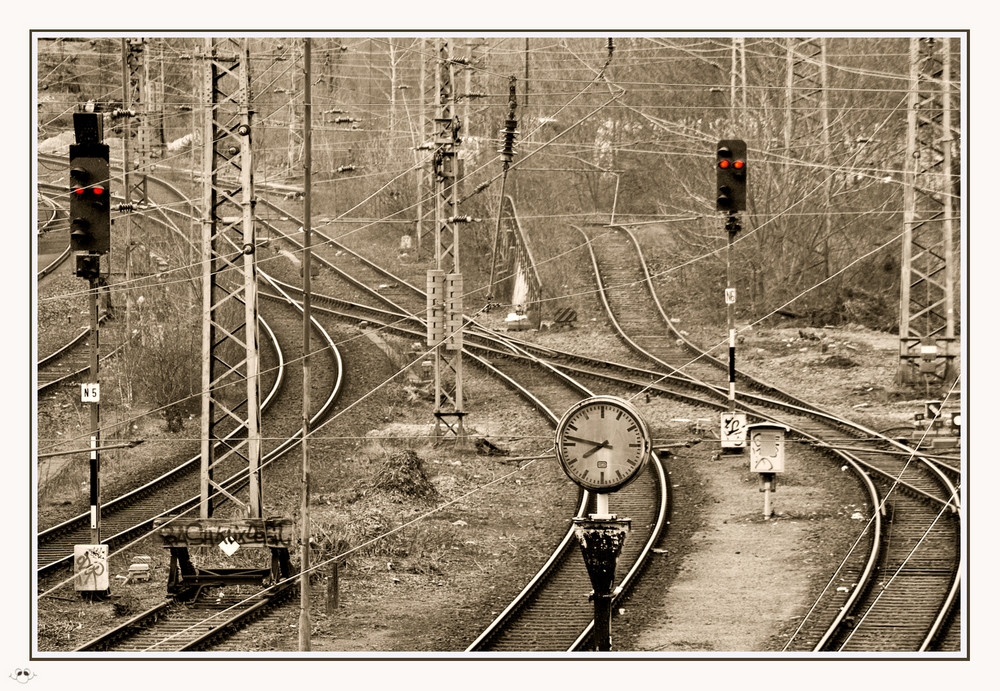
[(731, 175)]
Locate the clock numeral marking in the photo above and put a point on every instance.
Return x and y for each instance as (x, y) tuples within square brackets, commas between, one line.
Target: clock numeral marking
[(632, 461), (635, 446), (602, 412), (572, 427), (584, 474), (619, 415), (631, 428), (602, 478), (619, 474)]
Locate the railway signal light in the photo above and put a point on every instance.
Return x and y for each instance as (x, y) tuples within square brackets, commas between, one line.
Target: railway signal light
[(731, 175), (89, 178)]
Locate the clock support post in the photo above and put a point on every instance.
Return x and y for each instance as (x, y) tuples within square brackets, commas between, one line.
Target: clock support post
[(601, 537)]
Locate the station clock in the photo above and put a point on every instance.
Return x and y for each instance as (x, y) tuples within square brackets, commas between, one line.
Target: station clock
[(602, 443)]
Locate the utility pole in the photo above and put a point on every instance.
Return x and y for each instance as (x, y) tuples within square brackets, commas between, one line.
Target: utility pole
[(444, 282), (230, 381), (305, 624), (927, 344), (471, 57), (527, 53), (507, 155)]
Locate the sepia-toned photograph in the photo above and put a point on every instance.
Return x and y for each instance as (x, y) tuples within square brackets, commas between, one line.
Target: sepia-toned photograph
[(498, 345)]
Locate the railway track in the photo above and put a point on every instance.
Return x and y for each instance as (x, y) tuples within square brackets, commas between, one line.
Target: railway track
[(131, 515), (193, 624), (552, 612), (51, 246), (911, 574), (514, 365), (210, 613), (537, 595), (686, 366)]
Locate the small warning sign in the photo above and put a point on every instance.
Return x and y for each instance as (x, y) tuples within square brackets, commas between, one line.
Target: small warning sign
[(733, 430), (229, 546), (90, 567)]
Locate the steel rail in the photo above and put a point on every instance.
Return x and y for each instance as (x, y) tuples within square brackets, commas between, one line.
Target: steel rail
[(792, 403), (565, 545), (234, 483), (871, 561), (864, 479), (125, 500), (186, 467)]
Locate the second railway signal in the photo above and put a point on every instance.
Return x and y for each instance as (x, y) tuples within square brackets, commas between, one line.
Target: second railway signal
[(731, 175)]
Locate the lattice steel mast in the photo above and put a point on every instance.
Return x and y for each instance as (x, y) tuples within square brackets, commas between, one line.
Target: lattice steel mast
[(230, 364), (807, 121), (444, 282), (138, 108), (927, 283)]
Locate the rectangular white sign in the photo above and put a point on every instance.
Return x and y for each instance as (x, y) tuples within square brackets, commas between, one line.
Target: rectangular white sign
[(733, 430), (90, 393), (90, 567), (767, 451)]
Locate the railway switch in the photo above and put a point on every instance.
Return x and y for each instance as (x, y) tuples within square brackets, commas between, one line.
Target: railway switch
[(731, 175)]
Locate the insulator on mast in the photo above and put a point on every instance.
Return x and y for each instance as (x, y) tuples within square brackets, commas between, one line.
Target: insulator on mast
[(510, 129)]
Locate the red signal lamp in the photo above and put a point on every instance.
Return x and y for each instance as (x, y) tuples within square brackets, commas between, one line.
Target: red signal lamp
[(738, 165), (724, 163)]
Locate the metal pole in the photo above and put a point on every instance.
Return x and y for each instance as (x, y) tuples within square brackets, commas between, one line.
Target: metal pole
[(601, 539), (95, 422), (305, 625), (210, 266), (731, 228), (767, 480), (422, 171), (905, 374), (947, 185), (127, 183)]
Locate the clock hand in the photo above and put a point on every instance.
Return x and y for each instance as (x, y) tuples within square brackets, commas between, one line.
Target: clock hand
[(585, 441), (603, 445)]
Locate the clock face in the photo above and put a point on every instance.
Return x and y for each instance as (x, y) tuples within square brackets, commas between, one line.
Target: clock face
[(602, 443)]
